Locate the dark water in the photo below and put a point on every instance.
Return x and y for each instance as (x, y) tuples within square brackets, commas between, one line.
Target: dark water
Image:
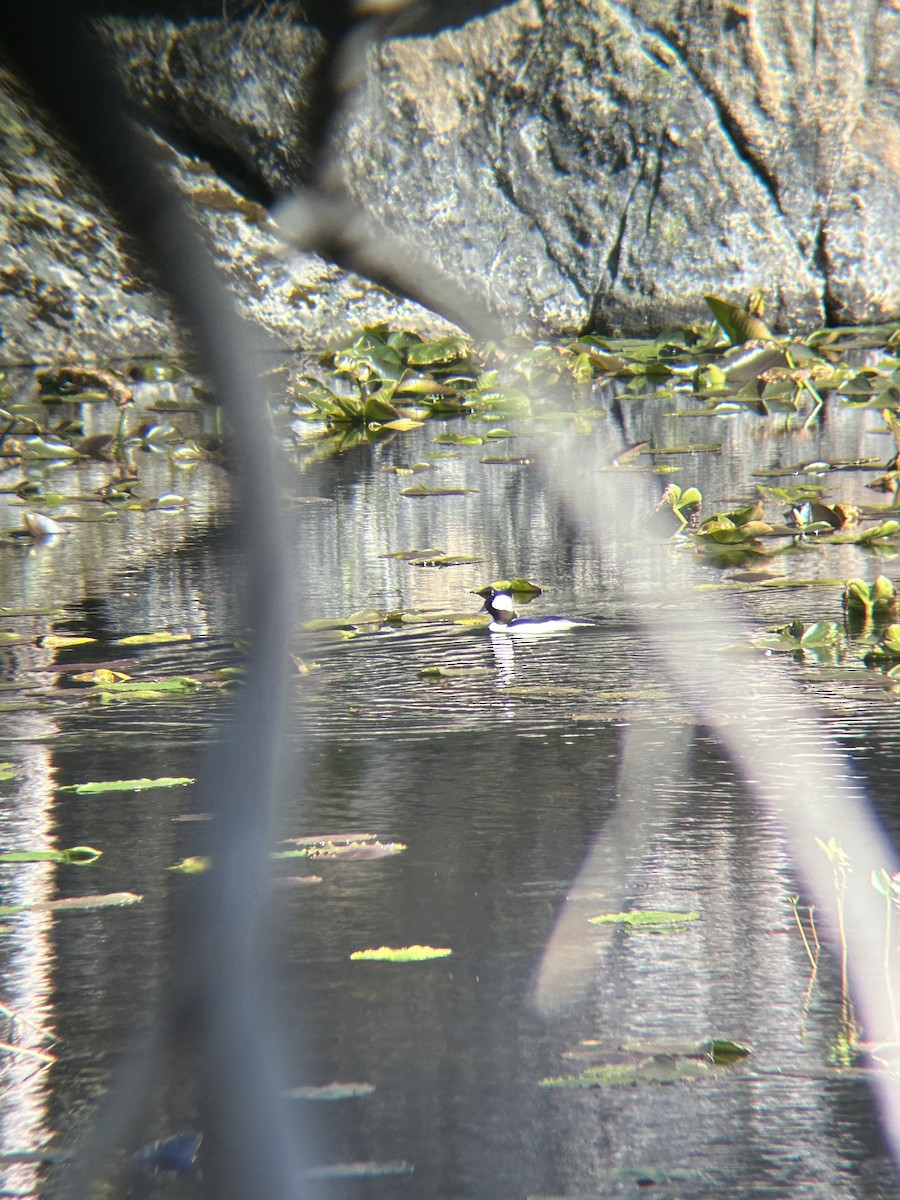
[(499, 781)]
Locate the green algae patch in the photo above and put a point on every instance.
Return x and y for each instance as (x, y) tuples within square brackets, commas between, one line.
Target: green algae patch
[(400, 955)]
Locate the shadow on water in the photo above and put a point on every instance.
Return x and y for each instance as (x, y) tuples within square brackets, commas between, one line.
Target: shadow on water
[(498, 779)]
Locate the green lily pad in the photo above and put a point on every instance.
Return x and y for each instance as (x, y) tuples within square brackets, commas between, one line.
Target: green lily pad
[(645, 918), (419, 490), (518, 586), (359, 1170), (74, 903), (152, 639), (77, 856), (341, 848), (173, 685), (458, 439), (126, 785), (196, 864), (401, 954), (411, 555), (330, 1091), (445, 560)]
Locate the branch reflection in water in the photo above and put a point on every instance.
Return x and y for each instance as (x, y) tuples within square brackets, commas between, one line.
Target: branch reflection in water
[(777, 740)]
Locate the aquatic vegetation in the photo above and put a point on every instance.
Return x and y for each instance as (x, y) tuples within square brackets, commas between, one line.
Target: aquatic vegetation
[(352, 847), (77, 856), (400, 954), (126, 785), (647, 1062), (645, 919), (869, 604), (685, 504), (523, 589), (74, 903), (330, 1091)]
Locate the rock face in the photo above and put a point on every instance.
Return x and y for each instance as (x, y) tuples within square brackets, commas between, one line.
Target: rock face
[(68, 289), (613, 163), (576, 164)]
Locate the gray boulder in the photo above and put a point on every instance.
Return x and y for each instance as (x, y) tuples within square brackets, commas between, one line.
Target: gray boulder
[(575, 165), (586, 163), (69, 290), (614, 163)]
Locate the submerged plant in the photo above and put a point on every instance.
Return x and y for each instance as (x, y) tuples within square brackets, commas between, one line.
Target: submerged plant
[(844, 1049)]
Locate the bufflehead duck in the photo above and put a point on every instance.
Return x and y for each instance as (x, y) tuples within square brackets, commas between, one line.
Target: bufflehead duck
[(505, 619)]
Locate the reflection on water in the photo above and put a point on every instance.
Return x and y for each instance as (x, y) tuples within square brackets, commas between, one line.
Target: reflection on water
[(499, 779)]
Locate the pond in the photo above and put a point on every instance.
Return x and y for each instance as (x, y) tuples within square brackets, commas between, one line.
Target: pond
[(501, 765)]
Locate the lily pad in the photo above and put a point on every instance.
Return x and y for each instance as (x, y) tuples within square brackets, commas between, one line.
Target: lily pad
[(645, 918), (330, 1091), (126, 785), (162, 637), (358, 1170), (196, 864), (401, 954), (419, 489), (346, 848), (77, 856), (74, 903)]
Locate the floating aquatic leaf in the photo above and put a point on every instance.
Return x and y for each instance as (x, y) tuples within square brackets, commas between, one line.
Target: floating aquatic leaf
[(687, 448), (39, 448), (101, 677), (8, 771), (347, 848), (126, 785), (724, 1051), (888, 646), (453, 672), (401, 424), (152, 639), (358, 1170), (458, 439), (410, 555), (62, 641), (401, 954), (518, 586), (196, 864), (546, 692), (74, 903), (77, 856), (330, 1091), (173, 684), (445, 560), (880, 532), (645, 918), (419, 489)]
